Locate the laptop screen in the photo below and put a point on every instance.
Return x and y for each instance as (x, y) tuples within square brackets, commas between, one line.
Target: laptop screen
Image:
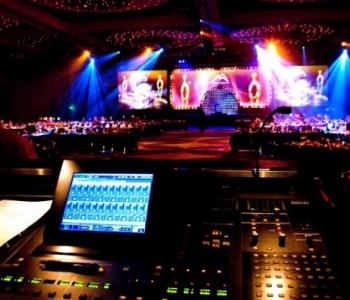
[(108, 202)]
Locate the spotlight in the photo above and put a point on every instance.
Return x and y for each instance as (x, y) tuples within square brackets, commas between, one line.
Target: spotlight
[(271, 47), (201, 21), (345, 44), (148, 51), (92, 60), (345, 52), (118, 52), (303, 47), (87, 53), (161, 50)]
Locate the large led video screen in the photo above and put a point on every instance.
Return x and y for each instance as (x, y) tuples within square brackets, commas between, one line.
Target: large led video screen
[(300, 86), (219, 90), (142, 89)]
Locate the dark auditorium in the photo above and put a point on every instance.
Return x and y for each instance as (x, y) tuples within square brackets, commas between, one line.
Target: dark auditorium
[(174, 149)]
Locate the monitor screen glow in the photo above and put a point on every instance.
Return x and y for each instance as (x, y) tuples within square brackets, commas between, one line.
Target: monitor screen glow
[(108, 202)]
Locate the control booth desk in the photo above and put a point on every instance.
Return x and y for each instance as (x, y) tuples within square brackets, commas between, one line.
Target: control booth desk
[(162, 231)]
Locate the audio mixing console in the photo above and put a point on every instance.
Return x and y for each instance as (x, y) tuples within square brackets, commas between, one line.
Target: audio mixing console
[(247, 245)]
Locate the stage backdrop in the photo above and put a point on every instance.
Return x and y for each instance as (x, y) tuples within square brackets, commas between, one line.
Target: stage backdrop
[(299, 86), (142, 89), (219, 90)]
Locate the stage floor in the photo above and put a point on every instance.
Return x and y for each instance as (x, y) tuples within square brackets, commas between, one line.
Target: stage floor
[(212, 144)]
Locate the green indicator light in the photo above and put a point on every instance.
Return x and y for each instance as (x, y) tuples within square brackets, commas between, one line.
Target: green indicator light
[(35, 280), (78, 284), (107, 286), (64, 282), (221, 293), (172, 290), (93, 285), (19, 279), (204, 292), (7, 278), (186, 291)]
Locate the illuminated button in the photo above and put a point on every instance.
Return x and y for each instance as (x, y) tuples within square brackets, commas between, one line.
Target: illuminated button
[(19, 279), (122, 297), (83, 297), (258, 285), (64, 283), (35, 280), (270, 295), (7, 278), (204, 292), (268, 285), (106, 286), (172, 290), (278, 276), (259, 294), (226, 243), (277, 269), (67, 296), (281, 295), (315, 296), (221, 293), (78, 284), (304, 296), (279, 285), (93, 285), (126, 269)]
